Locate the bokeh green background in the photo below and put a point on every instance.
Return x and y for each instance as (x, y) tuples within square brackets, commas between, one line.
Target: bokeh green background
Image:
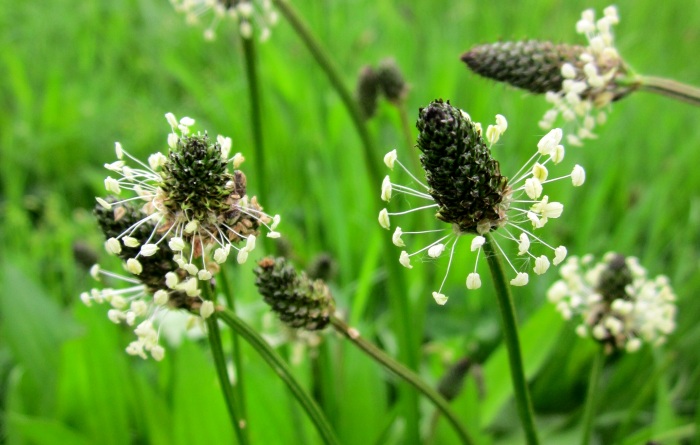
[(77, 76)]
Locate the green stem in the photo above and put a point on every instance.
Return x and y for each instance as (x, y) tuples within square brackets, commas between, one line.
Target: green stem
[(251, 71), (589, 409), (282, 370), (217, 350), (406, 130), (333, 74), (406, 374), (399, 306), (669, 88), (510, 336), (239, 387)]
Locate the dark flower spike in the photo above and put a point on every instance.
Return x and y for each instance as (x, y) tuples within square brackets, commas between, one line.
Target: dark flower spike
[(466, 189), (367, 91), (298, 301), (579, 81), (391, 81), (615, 302)]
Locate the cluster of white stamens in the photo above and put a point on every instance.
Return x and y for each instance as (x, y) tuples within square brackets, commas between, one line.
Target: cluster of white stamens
[(138, 303), (189, 238), (247, 14), (536, 208), (198, 246), (646, 312), (585, 87)]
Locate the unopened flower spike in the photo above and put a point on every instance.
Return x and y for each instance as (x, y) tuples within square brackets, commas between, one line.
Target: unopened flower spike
[(464, 188), (615, 302), (250, 16), (367, 91), (154, 280), (391, 81), (193, 204), (386, 80), (299, 301)]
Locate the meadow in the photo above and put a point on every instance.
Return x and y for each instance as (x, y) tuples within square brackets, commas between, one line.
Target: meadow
[(77, 76)]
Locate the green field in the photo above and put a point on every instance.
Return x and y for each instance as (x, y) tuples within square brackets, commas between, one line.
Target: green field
[(77, 76)]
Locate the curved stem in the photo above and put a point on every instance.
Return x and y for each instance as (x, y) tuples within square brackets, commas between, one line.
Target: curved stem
[(239, 386), (589, 410), (669, 88), (251, 71), (510, 336), (217, 351), (406, 374), (333, 74), (406, 130), (282, 370), (400, 307)]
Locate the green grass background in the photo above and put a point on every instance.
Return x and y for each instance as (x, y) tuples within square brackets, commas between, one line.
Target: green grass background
[(77, 76)]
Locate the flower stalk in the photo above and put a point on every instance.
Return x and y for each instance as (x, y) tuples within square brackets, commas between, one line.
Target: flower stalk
[(282, 370), (251, 71), (590, 408), (239, 386), (669, 88), (217, 351), (407, 343), (512, 341), (404, 373)]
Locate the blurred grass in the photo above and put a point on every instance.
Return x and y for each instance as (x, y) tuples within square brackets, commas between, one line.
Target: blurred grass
[(77, 77)]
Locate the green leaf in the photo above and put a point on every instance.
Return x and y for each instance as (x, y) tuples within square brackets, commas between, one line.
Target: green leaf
[(34, 328), (41, 431), (538, 337)]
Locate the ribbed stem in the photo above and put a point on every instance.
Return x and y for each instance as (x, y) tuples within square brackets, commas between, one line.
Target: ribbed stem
[(333, 73), (400, 307), (406, 374), (589, 409), (510, 336), (282, 370), (670, 88), (410, 140), (217, 351), (251, 71), (239, 387)]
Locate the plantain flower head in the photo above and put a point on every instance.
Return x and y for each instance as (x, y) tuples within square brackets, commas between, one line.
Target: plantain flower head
[(580, 82), (465, 189), (615, 302)]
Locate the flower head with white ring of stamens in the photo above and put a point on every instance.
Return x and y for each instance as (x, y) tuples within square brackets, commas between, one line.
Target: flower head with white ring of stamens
[(580, 82), (195, 206), (465, 188), (155, 281), (615, 302), (590, 82), (251, 16)]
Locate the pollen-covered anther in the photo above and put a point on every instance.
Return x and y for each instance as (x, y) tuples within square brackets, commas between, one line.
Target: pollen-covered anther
[(521, 279), (473, 281), (384, 219), (405, 260), (396, 238), (390, 158), (386, 189), (440, 299)]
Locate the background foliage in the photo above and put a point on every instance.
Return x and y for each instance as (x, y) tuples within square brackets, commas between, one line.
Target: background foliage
[(77, 76)]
